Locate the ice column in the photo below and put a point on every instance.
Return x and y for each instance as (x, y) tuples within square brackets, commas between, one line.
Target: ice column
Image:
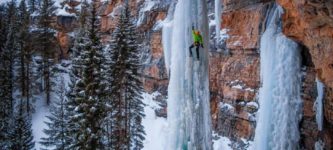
[(188, 92), (279, 97)]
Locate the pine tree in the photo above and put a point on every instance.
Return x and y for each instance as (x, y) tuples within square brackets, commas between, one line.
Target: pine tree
[(24, 54), (76, 73), (33, 5), (46, 38), (10, 48), (22, 135), (87, 95), (2, 27), (58, 128), (81, 37), (126, 87), (6, 75)]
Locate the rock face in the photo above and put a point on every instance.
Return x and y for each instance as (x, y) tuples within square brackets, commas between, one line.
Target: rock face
[(234, 81), (310, 22), (234, 77), (65, 24), (308, 126)]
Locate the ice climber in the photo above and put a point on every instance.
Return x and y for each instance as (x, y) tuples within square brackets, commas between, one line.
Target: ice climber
[(198, 42)]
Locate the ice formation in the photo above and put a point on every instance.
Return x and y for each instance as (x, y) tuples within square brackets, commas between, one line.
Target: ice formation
[(279, 97), (318, 106), (188, 93)]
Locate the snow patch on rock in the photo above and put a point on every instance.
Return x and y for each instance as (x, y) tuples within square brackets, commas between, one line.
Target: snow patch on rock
[(221, 143), (147, 6)]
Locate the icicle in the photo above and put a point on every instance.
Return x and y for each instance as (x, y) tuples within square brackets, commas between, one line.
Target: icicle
[(167, 36), (318, 105), (218, 19)]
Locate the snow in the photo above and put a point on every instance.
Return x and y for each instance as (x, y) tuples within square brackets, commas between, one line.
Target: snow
[(147, 6), (225, 106), (115, 11), (212, 23), (39, 119), (249, 89), (57, 3), (254, 104), (237, 43), (63, 12), (224, 34), (42, 110), (318, 105), (222, 143), (279, 97), (155, 127), (250, 144), (319, 145), (238, 86), (158, 25), (4, 1)]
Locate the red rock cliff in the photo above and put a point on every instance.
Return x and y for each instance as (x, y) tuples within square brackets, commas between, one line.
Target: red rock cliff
[(310, 22)]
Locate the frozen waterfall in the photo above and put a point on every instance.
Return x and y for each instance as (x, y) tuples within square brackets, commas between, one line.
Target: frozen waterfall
[(188, 98), (279, 97)]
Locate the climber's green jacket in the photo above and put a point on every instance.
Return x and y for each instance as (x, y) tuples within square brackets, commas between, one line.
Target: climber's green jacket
[(197, 37)]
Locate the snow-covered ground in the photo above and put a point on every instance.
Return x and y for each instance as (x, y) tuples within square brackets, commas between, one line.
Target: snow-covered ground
[(156, 127), (38, 119), (60, 78)]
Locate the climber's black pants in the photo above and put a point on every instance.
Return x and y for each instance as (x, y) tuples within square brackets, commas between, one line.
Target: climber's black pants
[(197, 46)]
